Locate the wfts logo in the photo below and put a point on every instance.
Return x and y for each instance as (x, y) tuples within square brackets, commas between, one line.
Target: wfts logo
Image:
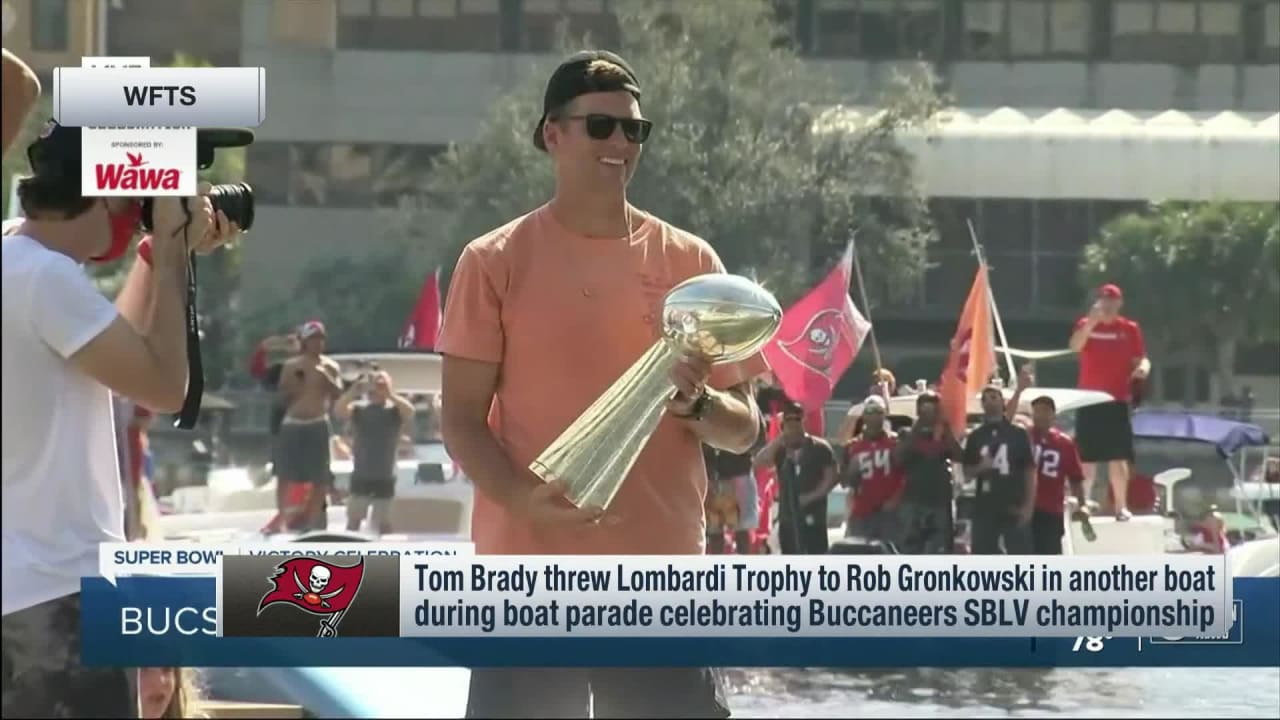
[(135, 175), (317, 587)]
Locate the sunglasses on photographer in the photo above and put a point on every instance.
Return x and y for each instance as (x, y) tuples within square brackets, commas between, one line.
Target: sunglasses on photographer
[(601, 127)]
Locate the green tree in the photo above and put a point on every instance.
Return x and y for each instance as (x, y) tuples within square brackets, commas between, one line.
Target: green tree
[(735, 155), (362, 301), (15, 162), (1202, 278)]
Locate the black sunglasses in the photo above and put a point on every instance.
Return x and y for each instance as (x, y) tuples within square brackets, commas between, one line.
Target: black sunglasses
[(600, 127)]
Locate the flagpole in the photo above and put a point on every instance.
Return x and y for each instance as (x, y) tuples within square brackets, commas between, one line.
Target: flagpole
[(991, 298), (866, 306)]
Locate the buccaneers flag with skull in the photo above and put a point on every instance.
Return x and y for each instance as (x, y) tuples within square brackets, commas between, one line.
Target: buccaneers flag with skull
[(316, 586), (819, 338)]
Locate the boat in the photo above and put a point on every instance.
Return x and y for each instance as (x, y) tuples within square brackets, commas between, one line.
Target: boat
[(1231, 442), (433, 496)]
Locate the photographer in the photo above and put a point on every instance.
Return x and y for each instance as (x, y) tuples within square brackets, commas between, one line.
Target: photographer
[(66, 347), (378, 420)]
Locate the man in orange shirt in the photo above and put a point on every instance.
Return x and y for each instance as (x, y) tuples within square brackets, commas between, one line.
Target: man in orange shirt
[(543, 315)]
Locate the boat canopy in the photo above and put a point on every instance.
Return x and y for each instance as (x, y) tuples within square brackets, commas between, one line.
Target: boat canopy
[(1076, 154), (1227, 436)]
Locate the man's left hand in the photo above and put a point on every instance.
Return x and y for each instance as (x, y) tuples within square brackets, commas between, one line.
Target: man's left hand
[(1141, 372), (690, 375)]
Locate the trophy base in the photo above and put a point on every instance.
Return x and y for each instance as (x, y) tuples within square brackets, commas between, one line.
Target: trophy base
[(594, 455)]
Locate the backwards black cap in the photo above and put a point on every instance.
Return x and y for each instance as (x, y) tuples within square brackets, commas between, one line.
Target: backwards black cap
[(570, 80), (56, 153)]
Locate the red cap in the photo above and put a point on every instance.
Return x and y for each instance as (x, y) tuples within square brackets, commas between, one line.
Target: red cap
[(1110, 290), (311, 328)]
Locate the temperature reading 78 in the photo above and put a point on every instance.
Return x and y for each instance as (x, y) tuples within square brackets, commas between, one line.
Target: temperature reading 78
[(1090, 644)]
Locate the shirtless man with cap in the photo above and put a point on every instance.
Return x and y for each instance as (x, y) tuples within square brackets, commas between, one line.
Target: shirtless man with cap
[(309, 382)]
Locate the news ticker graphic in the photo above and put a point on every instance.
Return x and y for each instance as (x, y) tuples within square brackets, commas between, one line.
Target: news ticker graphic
[(165, 96), (729, 596), (172, 621), (178, 558)]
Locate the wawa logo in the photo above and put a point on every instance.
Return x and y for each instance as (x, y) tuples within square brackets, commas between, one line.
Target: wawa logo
[(136, 175)]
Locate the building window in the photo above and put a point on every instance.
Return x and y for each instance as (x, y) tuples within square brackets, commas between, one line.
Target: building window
[(1058, 281), (49, 27), (1221, 31), (984, 29), (267, 169), (434, 25), (1011, 278), (878, 29), (1005, 226), (1271, 33), (1070, 27), (1181, 32), (836, 28), (543, 19), (1028, 29)]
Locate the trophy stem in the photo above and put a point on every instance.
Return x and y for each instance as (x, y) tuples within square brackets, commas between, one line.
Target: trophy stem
[(594, 454)]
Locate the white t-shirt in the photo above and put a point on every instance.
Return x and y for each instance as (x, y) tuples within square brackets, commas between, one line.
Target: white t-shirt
[(62, 492)]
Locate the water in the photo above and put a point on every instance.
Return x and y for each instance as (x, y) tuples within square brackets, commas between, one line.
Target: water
[(926, 692)]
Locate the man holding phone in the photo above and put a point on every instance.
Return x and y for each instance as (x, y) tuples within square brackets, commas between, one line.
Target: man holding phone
[(1112, 357), (378, 418)]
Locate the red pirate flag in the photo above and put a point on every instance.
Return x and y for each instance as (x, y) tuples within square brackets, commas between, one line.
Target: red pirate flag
[(317, 587), (819, 338)]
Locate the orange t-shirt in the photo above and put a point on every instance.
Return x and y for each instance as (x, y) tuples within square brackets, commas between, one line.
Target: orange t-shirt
[(565, 316)]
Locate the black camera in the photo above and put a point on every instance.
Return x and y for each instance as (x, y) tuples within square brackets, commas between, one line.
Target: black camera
[(234, 199)]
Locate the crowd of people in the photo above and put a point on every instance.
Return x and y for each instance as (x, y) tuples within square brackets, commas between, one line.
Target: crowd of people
[(903, 484)]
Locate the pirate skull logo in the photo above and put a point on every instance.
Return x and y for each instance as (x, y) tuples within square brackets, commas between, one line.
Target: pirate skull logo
[(319, 578), (816, 346), (312, 592)]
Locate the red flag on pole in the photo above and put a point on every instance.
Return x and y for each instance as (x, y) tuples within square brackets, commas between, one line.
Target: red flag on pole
[(423, 326), (818, 340)]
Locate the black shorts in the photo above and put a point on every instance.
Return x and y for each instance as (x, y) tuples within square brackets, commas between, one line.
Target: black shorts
[(610, 692), (1104, 432), (43, 676), (302, 452), (1046, 533), (378, 488)]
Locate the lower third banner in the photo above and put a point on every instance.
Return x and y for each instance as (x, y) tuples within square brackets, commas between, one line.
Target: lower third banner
[(160, 621)]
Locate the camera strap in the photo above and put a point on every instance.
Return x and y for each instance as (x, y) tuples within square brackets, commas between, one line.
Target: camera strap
[(190, 412)]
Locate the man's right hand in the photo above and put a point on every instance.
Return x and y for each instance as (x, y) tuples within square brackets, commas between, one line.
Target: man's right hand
[(169, 219), (545, 505), (1095, 313)]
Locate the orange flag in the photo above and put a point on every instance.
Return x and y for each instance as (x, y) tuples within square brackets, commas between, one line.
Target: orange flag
[(972, 356)]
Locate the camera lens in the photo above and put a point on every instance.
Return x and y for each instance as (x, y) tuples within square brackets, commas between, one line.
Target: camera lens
[(235, 201)]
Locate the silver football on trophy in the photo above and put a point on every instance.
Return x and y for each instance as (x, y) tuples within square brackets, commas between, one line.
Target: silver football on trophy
[(726, 318)]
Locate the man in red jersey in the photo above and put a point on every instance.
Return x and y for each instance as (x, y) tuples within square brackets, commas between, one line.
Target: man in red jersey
[(1057, 461), (872, 476), (1112, 356)]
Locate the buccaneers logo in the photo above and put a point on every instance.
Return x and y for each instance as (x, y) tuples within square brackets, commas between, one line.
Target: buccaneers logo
[(815, 347)]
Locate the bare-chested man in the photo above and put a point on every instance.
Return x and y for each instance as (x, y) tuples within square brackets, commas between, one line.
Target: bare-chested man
[(309, 382)]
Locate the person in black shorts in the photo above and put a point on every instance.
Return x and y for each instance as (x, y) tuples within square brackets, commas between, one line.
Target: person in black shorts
[(378, 423), (1113, 359), (998, 456), (806, 472)]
